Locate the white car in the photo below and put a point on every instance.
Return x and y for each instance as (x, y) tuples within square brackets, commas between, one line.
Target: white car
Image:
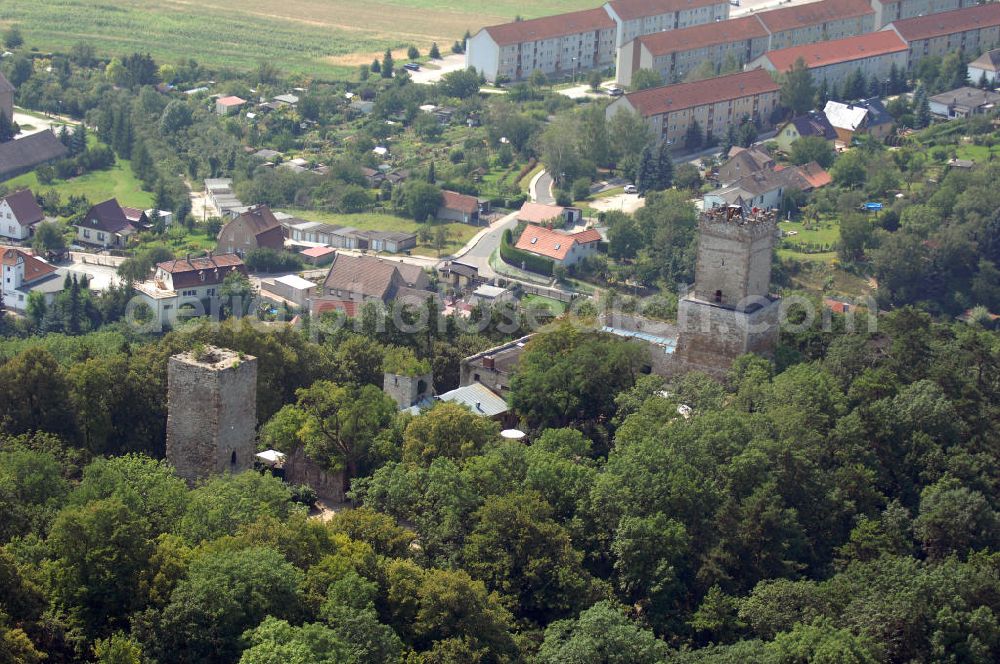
[(631, 189)]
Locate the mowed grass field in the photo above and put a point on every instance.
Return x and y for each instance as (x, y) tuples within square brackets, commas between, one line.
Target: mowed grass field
[(316, 38)]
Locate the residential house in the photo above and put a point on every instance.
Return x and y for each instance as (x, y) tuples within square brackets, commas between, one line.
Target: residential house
[(287, 99), (19, 212), (138, 218), (817, 21), (963, 102), (873, 54), (561, 248), (549, 215), (743, 161), (105, 225), (971, 30), (362, 279), (458, 207), (373, 177), (813, 124), (887, 11), (715, 104), (257, 228), (850, 120), (28, 152), (24, 273), (676, 53), (808, 177), (457, 274), (763, 190), (6, 97), (229, 105), (985, 67), (187, 287)]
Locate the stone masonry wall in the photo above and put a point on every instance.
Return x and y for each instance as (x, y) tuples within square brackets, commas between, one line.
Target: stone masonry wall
[(212, 413)]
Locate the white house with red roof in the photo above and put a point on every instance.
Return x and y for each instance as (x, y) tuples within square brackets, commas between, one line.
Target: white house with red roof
[(19, 212), (187, 285), (561, 248), (24, 273), (458, 207)]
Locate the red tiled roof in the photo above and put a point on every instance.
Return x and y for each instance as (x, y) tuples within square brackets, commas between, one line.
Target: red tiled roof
[(544, 242), (815, 175), (215, 269), (668, 98), (133, 214), (587, 236), (348, 307), (34, 268), (813, 13), (946, 23), (832, 52), (453, 200), (629, 10), (549, 27), (700, 36), (25, 207), (231, 101), (538, 213)]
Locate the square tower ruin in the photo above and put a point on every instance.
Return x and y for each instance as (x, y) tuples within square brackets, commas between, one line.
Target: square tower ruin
[(211, 412), (730, 310)]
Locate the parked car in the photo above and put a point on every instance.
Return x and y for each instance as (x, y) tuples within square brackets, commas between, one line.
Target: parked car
[(631, 189), (412, 66), (616, 92)]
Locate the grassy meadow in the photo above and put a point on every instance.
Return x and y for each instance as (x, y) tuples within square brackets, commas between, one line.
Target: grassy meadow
[(315, 38)]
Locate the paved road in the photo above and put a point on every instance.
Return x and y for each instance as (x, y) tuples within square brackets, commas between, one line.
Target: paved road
[(541, 189), (478, 252)]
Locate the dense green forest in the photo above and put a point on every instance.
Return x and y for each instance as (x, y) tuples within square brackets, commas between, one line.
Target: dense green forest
[(838, 506)]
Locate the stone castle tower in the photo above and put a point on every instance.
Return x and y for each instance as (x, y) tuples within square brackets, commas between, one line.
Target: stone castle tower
[(211, 412), (408, 390), (729, 312)]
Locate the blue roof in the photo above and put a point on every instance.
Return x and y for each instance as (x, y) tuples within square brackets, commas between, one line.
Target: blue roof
[(669, 343)]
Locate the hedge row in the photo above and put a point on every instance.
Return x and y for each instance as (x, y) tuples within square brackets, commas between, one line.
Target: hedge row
[(519, 258)]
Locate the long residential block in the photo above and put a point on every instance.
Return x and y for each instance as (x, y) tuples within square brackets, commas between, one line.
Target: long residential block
[(567, 44), (817, 21), (676, 54), (715, 104), (972, 30), (887, 11), (874, 54)]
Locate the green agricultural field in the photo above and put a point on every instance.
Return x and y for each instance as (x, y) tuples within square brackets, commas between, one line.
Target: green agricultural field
[(312, 37), (458, 234), (116, 182)]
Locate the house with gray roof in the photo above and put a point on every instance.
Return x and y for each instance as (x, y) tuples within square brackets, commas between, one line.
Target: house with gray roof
[(19, 212), (27, 153)]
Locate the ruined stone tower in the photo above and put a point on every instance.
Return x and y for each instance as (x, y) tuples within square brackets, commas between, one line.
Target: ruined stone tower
[(407, 390), (730, 311), (211, 412)]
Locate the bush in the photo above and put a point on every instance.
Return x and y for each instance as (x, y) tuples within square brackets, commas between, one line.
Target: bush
[(523, 259), (581, 188), (303, 494), (270, 260)]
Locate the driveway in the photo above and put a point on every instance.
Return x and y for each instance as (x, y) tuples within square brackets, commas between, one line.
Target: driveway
[(432, 71)]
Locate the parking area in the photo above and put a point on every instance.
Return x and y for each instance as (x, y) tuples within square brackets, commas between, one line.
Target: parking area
[(432, 72)]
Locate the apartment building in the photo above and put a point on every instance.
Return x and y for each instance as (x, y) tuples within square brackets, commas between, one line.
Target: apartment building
[(887, 11), (715, 104), (567, 44), (972, 30), (555, 45), (817, 21), (833, 61), (677, 53)]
